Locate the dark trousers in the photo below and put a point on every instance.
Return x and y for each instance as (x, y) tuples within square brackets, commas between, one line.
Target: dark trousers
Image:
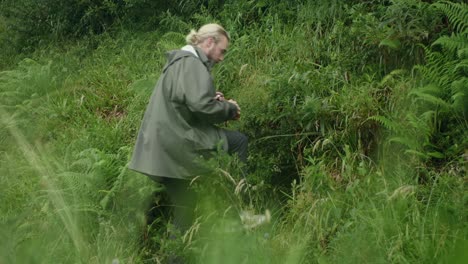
[(237, 144), (182, 198)]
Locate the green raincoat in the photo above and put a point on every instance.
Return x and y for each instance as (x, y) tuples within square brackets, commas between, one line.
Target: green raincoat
[(179, 123)]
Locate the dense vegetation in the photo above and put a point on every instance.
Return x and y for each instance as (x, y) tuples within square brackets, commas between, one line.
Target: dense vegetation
[(356, 113)]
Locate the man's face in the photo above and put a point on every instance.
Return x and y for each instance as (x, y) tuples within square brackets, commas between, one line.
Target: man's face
[(217, 50)]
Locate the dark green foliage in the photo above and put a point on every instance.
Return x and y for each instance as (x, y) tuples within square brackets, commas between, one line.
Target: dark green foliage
[(40, 22), (437, 120), (456, 14), (36, 21)]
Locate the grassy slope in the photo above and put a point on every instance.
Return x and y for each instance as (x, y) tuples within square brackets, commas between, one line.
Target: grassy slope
[(70, 115)]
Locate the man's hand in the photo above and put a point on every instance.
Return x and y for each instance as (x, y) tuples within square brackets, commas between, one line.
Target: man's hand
[(219, 96), (238, 108)]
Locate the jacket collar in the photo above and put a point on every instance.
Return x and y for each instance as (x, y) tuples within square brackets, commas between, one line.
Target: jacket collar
[(173, 56), (190, 49), (199, 54), (207, 62)]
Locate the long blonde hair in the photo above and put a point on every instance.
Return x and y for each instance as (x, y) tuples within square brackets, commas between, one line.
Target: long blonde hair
[(209, 30)]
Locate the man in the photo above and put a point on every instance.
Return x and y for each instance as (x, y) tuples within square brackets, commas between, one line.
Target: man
[(179, 123)]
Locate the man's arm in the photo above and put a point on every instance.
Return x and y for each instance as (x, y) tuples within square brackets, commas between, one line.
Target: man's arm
[(200, 95)]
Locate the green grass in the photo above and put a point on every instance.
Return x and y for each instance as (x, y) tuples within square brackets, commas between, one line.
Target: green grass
[(345, 151)]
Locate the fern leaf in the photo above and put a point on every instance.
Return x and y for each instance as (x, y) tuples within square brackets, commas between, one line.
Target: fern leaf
[(389, 77), (462, 65), (463, 53), (405, 141), (385, 122), (432, 89), (457, 13), (116, 186), (428, 116), (452, 43), (419, 124), (431, 99), (460, 96), (439, 69)]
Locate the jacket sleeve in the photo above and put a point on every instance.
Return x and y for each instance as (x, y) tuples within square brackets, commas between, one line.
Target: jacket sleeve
[(199, 94)]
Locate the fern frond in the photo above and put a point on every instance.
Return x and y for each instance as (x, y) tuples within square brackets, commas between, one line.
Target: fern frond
[(439, 69), (116, 186), (463, 64), (432, 89), (391, 76), (405, 141), (428, 116), (463, 53), (385, 122), (460, 96), (431, 99), (457, 13), (452, 43), (419, 124)]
